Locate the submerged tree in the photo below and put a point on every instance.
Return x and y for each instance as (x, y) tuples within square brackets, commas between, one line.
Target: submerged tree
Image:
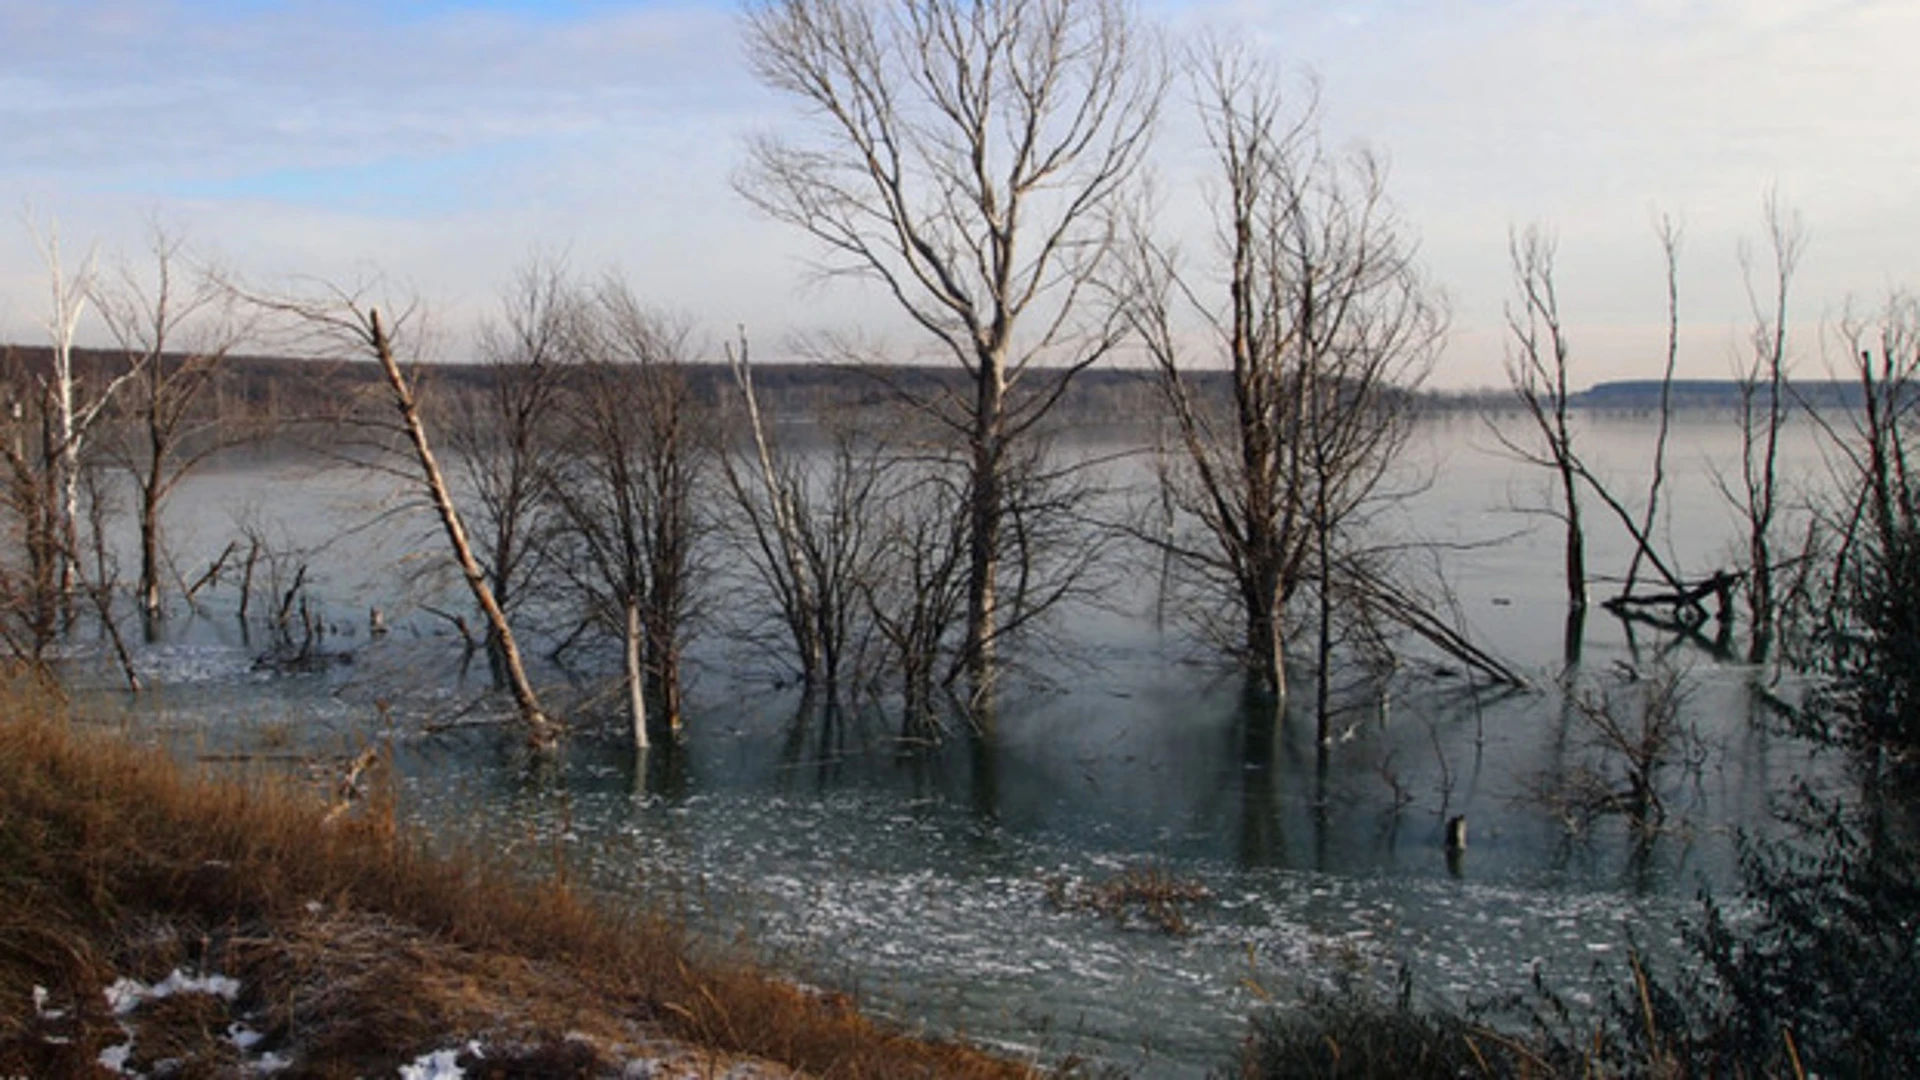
[(504, 435), (1763, 413), (1537, 371), (966, 156), (345, 321), (1327, 325), (808, 524), (175, 336), (625, 490)]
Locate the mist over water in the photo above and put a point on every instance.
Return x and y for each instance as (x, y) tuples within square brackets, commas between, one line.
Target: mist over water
[(919, 877)]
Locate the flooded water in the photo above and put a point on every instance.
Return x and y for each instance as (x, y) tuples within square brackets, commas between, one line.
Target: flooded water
[(920, 879)]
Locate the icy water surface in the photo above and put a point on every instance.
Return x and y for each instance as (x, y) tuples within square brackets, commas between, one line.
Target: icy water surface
[(920, 879)]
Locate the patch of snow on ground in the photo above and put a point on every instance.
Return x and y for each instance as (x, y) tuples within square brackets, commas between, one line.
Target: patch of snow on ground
[(439, 1065)]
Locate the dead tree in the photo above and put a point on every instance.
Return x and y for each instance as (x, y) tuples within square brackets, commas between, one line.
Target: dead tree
[(1537, 372), (30, 497), (344, 320), (175, 338), (626, 492), (1669, 235), (1763, 412), (918, 585), (504, 435), (70, 412), (808, 526), (965, 156), (1327, 326)]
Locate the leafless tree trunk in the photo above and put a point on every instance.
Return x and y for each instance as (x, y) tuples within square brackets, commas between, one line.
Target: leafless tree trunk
[(170, 440), (69, 302), (504, 436), (343, 320), (30, 497), (1669, 235), (541, 730), (809, 531), (1763, 412), (964, 155), (71, 418), (1537, 371), (626, 491), (1327, 326)]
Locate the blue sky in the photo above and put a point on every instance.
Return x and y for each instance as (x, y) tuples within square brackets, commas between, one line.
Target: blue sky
[(444, 142)]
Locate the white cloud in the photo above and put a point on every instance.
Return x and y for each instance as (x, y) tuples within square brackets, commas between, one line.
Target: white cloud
[(310, 137)]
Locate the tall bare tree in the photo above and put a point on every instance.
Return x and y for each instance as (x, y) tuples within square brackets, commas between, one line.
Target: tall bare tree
[(174, 335), (1326, 325), (1537, 371), (71, 411), (809, 525), (626, 489), (504, 434), (1763, 413), (344, 320), (1669, 235), (966, 155)]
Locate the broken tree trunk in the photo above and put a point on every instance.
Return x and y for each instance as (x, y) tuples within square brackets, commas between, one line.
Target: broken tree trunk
[(1685, 599), (542, 731)]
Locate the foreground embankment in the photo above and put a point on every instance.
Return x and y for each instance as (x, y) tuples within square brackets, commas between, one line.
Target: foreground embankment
[(158, 920)]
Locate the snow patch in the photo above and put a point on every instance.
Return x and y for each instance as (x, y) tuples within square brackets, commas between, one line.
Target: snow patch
[(439, 1065)]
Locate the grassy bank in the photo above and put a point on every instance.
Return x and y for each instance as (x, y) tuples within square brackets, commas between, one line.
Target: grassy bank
[(350, 950)]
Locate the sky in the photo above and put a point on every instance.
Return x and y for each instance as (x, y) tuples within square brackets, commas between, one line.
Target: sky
[(441, 144)]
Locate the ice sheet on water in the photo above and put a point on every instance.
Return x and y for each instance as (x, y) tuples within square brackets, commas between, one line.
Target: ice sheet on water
[(172, 664)]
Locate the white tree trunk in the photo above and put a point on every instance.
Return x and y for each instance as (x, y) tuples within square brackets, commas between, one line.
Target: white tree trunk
[(636, 678), (542, 732), (63, 319)]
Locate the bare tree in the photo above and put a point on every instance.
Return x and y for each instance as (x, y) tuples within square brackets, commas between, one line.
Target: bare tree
[(810, 524), (1763, 412), (505, 439), (1327, 325), (175, 339), (1537, 372), (919, 583), (626, 490), (965, 155), (344, 320), (1669, 235), (31, 498), (72, 412)]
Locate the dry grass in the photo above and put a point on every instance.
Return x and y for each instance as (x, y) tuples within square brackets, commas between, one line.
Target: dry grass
[(1144, 894), (355, 949)]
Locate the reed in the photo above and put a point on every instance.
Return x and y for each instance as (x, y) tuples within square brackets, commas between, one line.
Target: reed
[(354, 947)]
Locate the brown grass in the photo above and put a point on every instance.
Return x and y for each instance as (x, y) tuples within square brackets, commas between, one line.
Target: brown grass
[(355, 948), (1146, 894)]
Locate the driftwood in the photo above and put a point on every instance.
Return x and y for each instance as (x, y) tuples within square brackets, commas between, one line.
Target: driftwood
[(1412, 612), (212, 574), (1685, 599)]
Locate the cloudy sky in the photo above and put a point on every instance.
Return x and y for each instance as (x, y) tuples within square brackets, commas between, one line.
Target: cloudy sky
[(444, 142)]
